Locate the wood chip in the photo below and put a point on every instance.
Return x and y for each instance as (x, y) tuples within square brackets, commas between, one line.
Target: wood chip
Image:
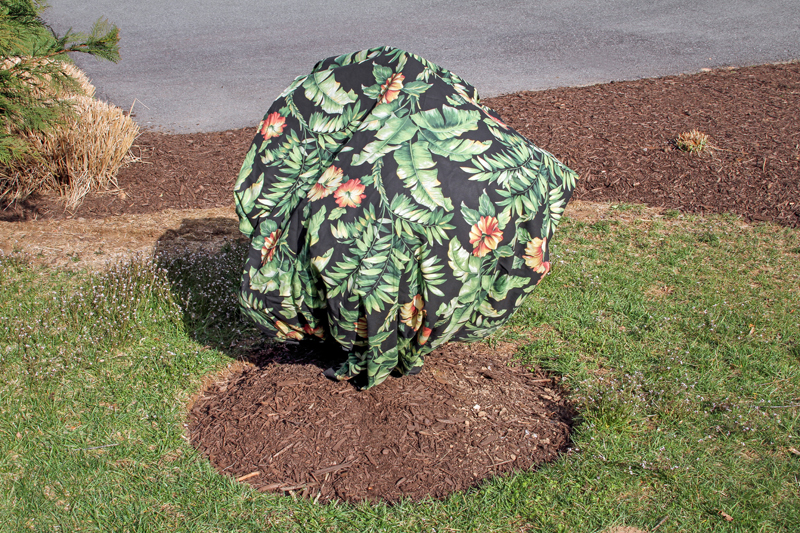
[(331, 469), (248, 476)]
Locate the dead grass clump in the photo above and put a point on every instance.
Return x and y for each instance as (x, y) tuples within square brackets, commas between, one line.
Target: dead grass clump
[(694, 142), (80, 155), (659, 291), (41, 84)]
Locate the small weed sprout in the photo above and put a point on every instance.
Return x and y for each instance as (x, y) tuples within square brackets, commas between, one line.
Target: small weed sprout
[(694, 142)]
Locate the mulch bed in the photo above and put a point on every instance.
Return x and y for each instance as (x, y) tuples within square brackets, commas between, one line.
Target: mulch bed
[(282, 426), (618, 136)]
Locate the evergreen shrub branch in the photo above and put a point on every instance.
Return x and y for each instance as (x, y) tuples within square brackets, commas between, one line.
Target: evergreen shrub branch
[(32, 78)]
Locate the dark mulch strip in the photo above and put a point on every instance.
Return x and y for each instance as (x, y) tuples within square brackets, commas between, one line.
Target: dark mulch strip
[(618, 136), (620, 139), (468, 416), (195, 170)]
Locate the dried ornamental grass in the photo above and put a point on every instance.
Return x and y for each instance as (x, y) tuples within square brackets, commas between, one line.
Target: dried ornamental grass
[(79, 76), (91, 150), (694, 141), (44, 88), (81, 155)]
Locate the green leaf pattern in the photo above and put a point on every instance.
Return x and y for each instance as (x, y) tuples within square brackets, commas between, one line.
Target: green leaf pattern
[(392, 212)]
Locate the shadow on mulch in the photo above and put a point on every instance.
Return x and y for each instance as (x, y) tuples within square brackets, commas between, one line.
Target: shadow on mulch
[(471, 414), (195, 234)]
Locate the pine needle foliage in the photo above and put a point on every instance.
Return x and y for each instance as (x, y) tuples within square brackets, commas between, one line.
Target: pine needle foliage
[(32, 75)]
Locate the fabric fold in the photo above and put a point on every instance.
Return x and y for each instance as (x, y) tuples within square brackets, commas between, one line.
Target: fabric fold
[(390, 210)]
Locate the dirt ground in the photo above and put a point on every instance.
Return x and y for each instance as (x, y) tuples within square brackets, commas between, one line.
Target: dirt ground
[(93, 243), (275, 422)]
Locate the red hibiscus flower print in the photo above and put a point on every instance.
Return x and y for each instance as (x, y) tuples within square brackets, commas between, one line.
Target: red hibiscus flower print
[(328, 182), (543, 270), (319, 331), (391, 88), (361, 327), (350, 193), (412, 314), (287, 331), (534, 255), (423, 335), (272, 126), (270, 244), (485, 235)]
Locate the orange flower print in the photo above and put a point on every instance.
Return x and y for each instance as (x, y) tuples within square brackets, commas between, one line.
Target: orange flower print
[(543, 270), (423, 335), (286, 331), (270, 244), (361, 327), (319, 331), (391, 88), (412, 314), (328, 182), (350, 193), (485, 235), (272, 126), (534, 255)]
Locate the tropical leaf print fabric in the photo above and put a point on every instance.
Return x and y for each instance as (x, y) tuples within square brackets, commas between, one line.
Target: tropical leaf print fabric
[(388, 209)]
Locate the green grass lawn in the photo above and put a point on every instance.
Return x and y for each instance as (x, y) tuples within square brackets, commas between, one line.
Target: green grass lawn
[(678, 338)]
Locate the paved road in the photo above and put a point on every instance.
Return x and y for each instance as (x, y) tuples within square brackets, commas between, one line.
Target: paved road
[(208, 65)]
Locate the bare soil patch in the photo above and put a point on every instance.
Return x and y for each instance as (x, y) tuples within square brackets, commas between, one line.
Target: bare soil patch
[(469, 415), (93, 243)]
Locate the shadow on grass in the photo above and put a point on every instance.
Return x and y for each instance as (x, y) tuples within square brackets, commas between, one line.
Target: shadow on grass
[(203, 261)]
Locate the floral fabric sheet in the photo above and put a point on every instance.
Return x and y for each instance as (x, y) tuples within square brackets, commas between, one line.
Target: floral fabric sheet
[(388, 209)]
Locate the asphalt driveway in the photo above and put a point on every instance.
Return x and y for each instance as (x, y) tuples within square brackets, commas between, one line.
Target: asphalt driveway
[(205, 65)]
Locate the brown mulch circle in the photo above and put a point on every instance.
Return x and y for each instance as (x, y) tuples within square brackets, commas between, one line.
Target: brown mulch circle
[(468, 416), (618, 136)]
